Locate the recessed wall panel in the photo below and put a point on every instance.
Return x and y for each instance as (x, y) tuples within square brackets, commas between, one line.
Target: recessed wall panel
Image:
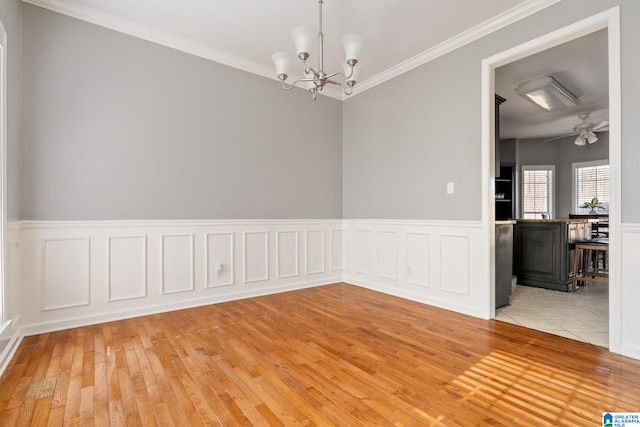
[(219, 259), (388, 255), (338, 246), (455, 264), (314, 251), (362, 251), (66, 273), (418, 262), (286, 254), (256, 258), (127, 267), (177, 263)]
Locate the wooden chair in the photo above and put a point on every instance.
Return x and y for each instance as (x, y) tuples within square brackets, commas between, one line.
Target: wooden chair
[(590, 262)]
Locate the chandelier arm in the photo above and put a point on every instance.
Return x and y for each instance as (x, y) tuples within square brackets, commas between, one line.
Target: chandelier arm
[(289, 86), (286, 86), (351, 68), (346, 90)]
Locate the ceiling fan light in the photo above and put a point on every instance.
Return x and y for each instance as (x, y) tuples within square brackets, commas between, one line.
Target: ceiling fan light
[(591, 137), (547, 94), (580, 140)]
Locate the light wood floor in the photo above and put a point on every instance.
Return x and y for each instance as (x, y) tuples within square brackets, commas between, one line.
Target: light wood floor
[(332, 355)]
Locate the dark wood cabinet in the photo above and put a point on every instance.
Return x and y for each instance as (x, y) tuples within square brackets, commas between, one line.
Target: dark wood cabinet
[(504, 259), (505, 193), (543, 251)]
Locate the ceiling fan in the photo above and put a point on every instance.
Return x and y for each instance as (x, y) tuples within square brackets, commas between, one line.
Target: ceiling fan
[(585, 130)]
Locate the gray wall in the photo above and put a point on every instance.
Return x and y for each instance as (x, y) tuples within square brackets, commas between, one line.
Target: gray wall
[(562, 153), (119, 128), (404, 139), (10, 11)]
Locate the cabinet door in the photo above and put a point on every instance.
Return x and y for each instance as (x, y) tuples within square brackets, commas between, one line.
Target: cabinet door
[(542, 255)]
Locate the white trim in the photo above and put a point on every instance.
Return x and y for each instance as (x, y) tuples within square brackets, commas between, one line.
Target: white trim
[(3, 166), (154, 35), (609, 19), (494, 24), (156, 223)]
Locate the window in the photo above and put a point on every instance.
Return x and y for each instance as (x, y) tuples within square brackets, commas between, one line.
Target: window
[(591, 179), (537, 192)]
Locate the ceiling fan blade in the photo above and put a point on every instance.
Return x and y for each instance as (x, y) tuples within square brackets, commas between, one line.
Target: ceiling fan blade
[(560, 137), (601, 125)]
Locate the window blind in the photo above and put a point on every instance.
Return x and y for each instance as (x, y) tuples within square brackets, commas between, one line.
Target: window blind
[(537, 192), (593, 181)]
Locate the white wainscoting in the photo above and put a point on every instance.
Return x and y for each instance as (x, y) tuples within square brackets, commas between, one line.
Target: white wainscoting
[(83, 272), (10, 332), (428, 261), (65, 274), (629, 312)]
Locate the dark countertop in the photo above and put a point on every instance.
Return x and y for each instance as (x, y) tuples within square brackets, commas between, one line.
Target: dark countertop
[(567, 220)]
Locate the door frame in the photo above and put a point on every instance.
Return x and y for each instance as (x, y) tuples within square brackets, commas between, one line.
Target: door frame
[(609, 19)]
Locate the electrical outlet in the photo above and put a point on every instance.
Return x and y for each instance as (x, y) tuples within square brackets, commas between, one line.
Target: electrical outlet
[(220, 271)]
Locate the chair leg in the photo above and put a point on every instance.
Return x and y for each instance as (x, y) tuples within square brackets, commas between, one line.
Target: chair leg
[(576, 257)]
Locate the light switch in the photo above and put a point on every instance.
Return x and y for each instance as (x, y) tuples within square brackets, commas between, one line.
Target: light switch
[(449, 187)]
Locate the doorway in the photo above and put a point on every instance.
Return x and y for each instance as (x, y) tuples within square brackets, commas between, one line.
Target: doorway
[(608, 20)]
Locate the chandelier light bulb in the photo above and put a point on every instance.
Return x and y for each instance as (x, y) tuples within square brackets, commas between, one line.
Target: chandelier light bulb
[(303, 38), (591, 137), (352, 47), (282, 62)]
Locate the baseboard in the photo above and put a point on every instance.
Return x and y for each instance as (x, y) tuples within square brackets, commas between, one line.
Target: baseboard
[(68, 323), (414, 296), (13, 342)]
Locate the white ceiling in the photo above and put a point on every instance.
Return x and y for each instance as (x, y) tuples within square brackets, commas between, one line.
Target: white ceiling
[(399, 35)]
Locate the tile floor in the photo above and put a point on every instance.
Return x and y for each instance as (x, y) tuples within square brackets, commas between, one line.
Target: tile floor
[(582, 315)]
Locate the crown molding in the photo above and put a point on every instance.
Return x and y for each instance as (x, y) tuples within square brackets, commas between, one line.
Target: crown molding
[(494, 24), (154, 35), (145, 32)]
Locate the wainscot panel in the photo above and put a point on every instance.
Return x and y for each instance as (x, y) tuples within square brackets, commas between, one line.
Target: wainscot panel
[(85, 272), (425, 261)]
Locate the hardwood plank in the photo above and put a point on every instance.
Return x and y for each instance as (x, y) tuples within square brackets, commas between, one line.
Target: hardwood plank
[(331, 355)]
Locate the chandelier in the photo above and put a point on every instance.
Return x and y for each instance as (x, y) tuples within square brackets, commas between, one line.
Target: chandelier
[(315, 79)]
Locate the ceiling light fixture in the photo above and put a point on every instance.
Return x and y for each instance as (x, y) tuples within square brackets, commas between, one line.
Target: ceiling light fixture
[(547, 94), (315, 80)]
